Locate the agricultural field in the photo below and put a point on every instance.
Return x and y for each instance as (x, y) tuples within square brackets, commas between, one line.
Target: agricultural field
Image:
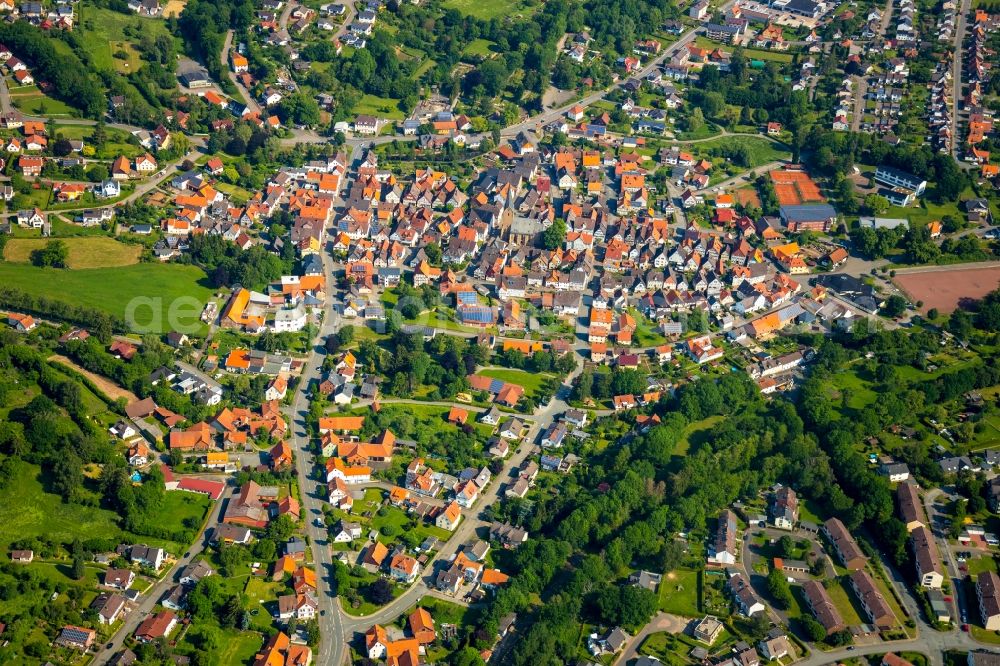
[(111, 289), (84, 252)]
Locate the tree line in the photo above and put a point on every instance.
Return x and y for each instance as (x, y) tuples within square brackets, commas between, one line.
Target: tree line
[(68, 79)]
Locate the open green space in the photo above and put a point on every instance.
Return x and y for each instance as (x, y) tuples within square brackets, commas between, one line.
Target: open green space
[(380, 107), (844, 603), (531, 381), (112, 289), (104, 37), (33, 102), (424, 67), (679, 592), (489, 9), (478, 47), (695, 433), (760, 150), (84, 252), (38, 513)]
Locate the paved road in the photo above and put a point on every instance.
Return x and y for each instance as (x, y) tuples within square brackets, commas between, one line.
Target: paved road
[(331, 647), (349, 15), (155, 593), (860, 90), (675, 624), (956, 76), (937, 523), (224, 59)]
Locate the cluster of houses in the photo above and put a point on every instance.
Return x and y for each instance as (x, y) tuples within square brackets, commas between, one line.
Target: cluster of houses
[(58, 15), (363, 25), (977, 73), (394, 646)]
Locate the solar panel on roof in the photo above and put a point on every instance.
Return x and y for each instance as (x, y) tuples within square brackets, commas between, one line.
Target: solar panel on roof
[(495, 386)]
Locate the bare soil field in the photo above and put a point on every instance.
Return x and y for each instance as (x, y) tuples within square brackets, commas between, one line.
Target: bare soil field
[(948, 288), (108, 387), (173, 8)]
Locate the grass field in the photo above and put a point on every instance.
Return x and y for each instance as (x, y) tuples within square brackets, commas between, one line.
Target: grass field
[(180, 508), (679, 593), (488, 9), (694, 433), (479, 47), (844, 603), (380, 107), (425, 66), (84, 252), (104, 35), (38, 513), (531, 381), (111, 289), (860, 394), (239, 647), (761, 150), (32, 101)]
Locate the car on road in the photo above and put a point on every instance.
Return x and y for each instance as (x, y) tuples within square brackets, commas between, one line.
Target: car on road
[(850, 647), (965, 627)]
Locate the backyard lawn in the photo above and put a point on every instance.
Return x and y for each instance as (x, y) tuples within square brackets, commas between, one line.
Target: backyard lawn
[(843, 600), (679, 593), (84, 252), (531, 381), (380, 107)]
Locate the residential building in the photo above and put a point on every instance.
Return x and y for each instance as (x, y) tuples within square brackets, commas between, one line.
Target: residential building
[(930, 571), (822, 607), (988, 594), (911, 509), (847, 549), (874, 604), (723, 547)]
